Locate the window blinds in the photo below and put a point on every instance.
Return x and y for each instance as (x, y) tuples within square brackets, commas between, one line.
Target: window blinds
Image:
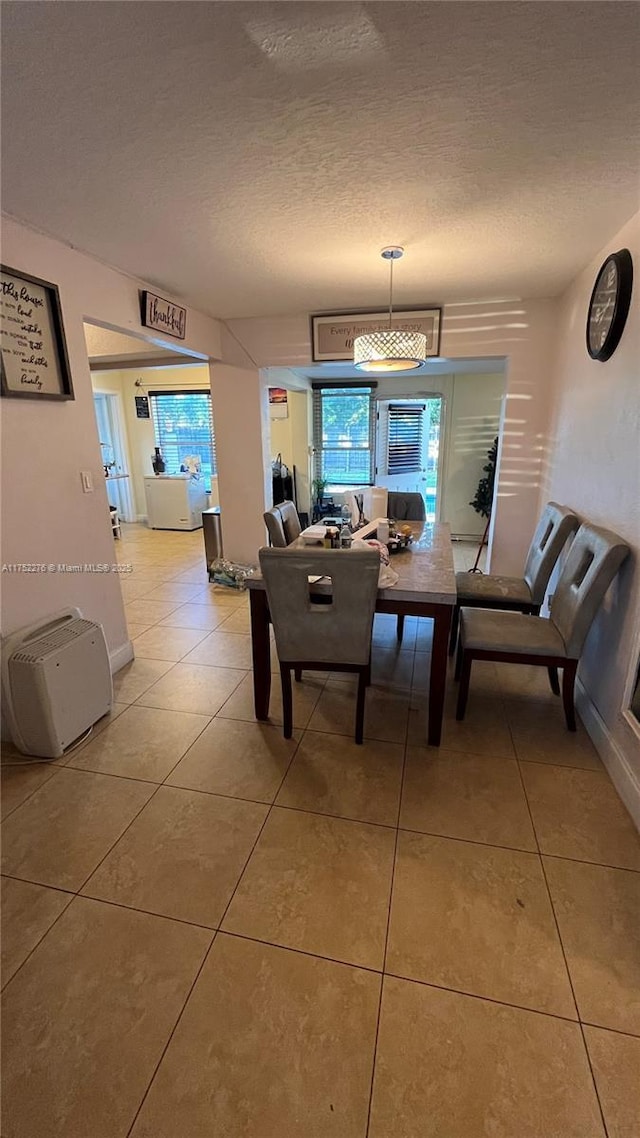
[(183, 423), (343, 433), (405, 438)]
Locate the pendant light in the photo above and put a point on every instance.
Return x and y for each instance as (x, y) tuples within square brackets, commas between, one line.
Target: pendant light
[(390, 349)]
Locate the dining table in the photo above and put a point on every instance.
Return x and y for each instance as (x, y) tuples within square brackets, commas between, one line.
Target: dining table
[(426, 587)]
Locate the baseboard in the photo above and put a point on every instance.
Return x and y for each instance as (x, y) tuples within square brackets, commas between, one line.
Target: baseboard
[(121, 656), (623, 777)]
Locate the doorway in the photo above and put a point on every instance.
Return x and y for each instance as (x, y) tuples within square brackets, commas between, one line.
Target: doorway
[(114, 453), (408, 448)]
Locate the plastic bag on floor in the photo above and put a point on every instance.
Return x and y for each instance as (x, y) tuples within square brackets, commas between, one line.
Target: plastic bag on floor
[(226, 573)]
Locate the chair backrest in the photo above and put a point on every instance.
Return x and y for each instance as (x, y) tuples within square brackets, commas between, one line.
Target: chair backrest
[(555, 526), (335, 633), (592, 563), (273, 522), (290, 521), (406, 507)]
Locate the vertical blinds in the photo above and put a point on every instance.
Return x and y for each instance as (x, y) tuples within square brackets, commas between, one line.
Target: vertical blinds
[(343, 433), (404, 442), (183, 423)]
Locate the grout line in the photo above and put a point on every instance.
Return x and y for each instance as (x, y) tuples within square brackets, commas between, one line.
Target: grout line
[(484, 999), (573, 993), (146, 912), (302, 952), (35, 789), (259, 834), (469, 841), (599, 864), (559, 936), (386, 938), (126, 829), (172, 1033), (615, 1030), (71, 897)]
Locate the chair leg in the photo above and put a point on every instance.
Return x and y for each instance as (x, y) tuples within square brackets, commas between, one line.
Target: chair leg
[(568, 683), (287, 700), (298, 675), (400, 629), (553, 680), (465, 677), (362, 690), (453, 637), (458, 668)]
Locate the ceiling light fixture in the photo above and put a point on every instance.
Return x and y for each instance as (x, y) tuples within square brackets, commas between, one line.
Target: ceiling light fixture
[(390, 349)]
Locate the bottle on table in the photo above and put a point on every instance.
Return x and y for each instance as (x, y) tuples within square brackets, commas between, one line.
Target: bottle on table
[(346, 537)]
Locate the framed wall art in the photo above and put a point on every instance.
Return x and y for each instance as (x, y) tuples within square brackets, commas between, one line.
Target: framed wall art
[(333, 336), (34, 363), (163, 315)]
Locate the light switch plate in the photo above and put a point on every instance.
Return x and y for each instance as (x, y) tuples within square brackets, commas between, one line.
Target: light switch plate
[(87, 481)]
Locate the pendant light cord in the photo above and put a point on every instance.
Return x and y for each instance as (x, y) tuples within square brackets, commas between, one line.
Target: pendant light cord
[(391, 259)]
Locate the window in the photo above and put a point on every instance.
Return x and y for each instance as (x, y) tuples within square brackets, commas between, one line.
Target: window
[(183, 425), (343, 423), (404, 442)]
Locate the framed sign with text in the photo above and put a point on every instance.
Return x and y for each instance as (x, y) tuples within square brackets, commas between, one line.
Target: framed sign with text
[(332, 336), (163, 315), (34, 363), (142, 407)]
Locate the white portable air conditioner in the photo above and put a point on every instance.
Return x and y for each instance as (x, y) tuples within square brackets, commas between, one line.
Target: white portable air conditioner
[(56, 682)]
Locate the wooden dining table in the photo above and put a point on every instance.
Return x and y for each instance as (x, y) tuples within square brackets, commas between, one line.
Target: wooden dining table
[(426, 587)]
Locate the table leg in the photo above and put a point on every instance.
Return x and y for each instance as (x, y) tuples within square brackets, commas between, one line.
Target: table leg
[(260, 650), (438, 677)]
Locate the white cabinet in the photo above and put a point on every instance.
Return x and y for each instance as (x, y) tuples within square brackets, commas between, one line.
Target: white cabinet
[(175, 501)]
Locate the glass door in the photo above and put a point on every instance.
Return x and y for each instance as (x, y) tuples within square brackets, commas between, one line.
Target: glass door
[(408, 448), (113, 454)]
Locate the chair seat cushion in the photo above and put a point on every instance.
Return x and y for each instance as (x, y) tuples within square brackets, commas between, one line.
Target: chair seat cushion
[(479, 587), (494, 631)]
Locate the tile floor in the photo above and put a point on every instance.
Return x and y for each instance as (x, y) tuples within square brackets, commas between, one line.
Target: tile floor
[(211, 932)]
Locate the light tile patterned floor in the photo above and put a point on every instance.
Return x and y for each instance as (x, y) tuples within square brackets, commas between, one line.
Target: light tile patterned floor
[(212, 932)]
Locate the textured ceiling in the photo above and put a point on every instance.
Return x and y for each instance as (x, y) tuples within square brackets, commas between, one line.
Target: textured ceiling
[(252, 159)]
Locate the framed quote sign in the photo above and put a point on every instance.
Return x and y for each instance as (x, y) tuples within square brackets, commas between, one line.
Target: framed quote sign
[(34, 363), (163, 315), (333, 336)]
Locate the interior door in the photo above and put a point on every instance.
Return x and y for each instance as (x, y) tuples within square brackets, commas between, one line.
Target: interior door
[(113, 452), (408, 447)]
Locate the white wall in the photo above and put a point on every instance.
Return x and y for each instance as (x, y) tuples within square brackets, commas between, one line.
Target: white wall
[(290, 437), (241, 413), (46, 518), (472, 423), (594, 466)]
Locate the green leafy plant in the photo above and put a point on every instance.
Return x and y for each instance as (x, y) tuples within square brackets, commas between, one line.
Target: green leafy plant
[(483, 500), (317, 488)]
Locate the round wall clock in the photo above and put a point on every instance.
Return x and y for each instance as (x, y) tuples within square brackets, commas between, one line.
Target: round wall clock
[(609, 305)]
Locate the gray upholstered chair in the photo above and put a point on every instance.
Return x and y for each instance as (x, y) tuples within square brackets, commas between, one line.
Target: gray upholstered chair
[(334, 636), (521, 594), (406, 507), (275, 528), (283, 524), (555, 642), (290, 521)]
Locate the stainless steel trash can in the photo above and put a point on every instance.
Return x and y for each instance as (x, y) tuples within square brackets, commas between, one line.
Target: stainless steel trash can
[(212, 531)]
